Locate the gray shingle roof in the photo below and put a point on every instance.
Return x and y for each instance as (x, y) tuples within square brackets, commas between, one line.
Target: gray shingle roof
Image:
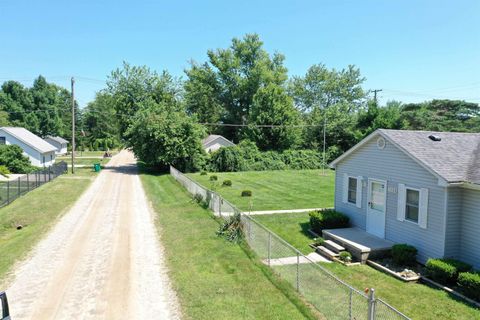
[(57, 139), (30, 139), (456, 158)]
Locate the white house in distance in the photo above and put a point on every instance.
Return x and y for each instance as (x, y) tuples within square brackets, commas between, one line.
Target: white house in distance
[(59, 143), (40, 152), (214, 142)]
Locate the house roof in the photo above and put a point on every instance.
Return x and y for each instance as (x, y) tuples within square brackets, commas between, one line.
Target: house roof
[(30, 139), (455, 158), (57, 139), (214, 137)]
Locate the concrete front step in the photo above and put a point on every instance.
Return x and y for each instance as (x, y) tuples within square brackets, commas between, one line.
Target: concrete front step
[(333, 246), (326, 252)]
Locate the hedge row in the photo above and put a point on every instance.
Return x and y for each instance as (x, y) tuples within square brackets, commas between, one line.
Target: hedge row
[(246, 157), (327, 219)]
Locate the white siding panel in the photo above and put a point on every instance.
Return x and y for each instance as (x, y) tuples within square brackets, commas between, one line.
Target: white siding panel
[(396, 167), (453, 228)]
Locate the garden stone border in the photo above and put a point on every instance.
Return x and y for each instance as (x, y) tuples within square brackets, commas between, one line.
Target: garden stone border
[(392, 273)]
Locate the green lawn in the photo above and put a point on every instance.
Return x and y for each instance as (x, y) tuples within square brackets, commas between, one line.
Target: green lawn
[(275, 190), (37, 211), (84, 161), (417, 301), (215, 279)]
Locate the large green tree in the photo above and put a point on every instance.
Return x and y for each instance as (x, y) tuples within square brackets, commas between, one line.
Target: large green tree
[(224, 87), (272, 106), (131, 86), (162, 134)]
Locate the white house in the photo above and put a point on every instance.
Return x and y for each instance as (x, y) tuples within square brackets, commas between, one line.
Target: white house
[(40, 152), (59, 143), (214, 142)]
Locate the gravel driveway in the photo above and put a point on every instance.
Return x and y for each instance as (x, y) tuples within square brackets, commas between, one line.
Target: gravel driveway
[(101, 260)]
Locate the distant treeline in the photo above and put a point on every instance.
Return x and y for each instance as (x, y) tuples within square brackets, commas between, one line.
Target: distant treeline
[(241, 92)]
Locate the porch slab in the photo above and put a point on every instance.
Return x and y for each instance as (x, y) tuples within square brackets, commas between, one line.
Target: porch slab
[(361, 244)]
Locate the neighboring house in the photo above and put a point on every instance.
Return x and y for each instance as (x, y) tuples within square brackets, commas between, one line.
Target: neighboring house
[(415, 187), (214, 142), (59, 143), (40, 152)]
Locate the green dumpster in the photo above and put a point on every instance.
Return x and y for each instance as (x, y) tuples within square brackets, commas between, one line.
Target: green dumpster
[(96, 167)]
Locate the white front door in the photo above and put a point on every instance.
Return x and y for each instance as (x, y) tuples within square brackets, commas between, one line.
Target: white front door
[(377, 196)]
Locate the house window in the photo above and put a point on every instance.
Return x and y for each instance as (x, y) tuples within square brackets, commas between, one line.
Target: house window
[(2, 140), (352, 190), (412, 204), (43, 159)]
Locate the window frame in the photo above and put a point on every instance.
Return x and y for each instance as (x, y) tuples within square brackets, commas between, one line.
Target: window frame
[(349, 190), (409, 204)]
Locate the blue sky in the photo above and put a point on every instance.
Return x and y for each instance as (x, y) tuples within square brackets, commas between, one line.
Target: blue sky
[(413, 50)]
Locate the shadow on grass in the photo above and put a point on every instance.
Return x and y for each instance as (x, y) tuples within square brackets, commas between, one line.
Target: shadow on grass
[(305, 226)]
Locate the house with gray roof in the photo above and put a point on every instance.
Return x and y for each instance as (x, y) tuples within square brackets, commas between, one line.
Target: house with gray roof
[(59, 143), (214, 142), (40, 152), (415, 187)]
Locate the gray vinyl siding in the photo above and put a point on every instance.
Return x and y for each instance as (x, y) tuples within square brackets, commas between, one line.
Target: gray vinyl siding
[(470, 239), (394, 166), (453, 228)]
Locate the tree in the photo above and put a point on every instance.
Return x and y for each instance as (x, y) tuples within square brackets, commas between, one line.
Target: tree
[(11, 156), (321, 88), (162, 134), (375, 117), (100, 121), (230, 79), (442, 115), (272, 106), (131, 86)]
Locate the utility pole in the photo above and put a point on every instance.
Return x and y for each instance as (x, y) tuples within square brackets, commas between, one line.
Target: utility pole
[(375, 94), (73, 126), (324, 141)]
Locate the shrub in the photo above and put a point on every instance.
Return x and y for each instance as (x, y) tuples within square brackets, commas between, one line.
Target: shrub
[(203, 173), (227, 183), (318, 241), (345, 256), (11, 156), (459, 265), (441, 271), (232, 229), (198, 198), (327, 219), (470, 284), (227, 159), (4, 171), (213, 178), (404, 254), (246, 193)]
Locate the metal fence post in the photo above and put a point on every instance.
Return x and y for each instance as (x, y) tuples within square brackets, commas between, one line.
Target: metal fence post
[(371, 304), (28, 184), (350, 305), (298, 272), (18, 186), (269, 248), (49, 175), (8, 191)]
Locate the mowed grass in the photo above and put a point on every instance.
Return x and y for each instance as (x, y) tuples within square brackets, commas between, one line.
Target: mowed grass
[(416, 300), (37, 211), (215, 279), (274, 190)]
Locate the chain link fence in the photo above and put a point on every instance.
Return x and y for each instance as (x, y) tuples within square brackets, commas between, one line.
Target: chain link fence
[(12, 189), (332, 297)]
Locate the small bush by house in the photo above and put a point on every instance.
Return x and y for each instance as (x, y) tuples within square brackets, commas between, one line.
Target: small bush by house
[(4, 171), (345, 256), (318, 241), (203, 173), (213, 178), (404, 254), (246, 193), (470, 284), (227, 183), (445, 271), (327, 219)]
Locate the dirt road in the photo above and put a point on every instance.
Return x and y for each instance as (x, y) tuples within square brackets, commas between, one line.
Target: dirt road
[(101, 261)]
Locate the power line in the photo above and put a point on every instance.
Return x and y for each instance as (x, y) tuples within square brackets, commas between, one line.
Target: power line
[(262, 125)]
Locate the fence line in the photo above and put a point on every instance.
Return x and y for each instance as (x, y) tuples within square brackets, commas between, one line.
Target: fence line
[(332, 297), (12, 189)]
